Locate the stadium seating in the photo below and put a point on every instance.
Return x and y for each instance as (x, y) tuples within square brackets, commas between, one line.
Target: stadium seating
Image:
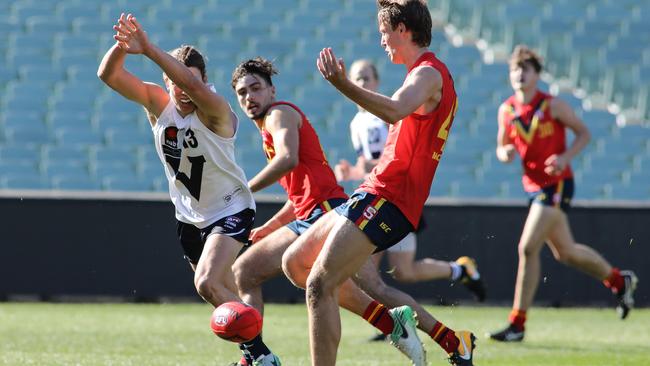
[(61, 128)]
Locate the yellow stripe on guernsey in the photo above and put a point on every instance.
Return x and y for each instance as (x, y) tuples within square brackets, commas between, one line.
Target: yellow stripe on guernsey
[(528, 135), (558, 193), (326, 206), (377, 206)]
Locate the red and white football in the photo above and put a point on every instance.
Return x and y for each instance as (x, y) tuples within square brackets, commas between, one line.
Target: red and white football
[(236, 322)]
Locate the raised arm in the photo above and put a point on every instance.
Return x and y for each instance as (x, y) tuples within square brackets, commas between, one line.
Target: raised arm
[(112, 72), (505, 148), (420, 88), (561, 111), (134, 39), (282, 123)]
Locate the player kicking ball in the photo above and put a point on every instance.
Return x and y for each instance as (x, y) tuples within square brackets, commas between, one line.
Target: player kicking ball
[(388, 205), (194, 133)]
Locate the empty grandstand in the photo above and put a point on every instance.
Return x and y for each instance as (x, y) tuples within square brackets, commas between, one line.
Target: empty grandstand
[(60, 128)]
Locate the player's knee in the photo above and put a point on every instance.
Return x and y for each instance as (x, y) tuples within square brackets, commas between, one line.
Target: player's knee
[(564, 256), (526, 251), (239, 271), (290, 267), (403, 275), (317, 286), (205, 287)]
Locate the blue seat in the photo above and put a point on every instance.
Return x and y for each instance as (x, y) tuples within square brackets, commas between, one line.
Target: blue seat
[(104, 170), (78, 136), (73, 154), (27, 135), (64, 168), (24, 182), (112, 154), (75, 183), (19, 154), (151, 171), (132, 138), (18, 168), (127, 184), (46, 24)]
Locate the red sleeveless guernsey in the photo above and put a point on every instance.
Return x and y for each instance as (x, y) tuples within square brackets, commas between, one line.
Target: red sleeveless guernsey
[(413, 150), (536, 136), (312, 180)]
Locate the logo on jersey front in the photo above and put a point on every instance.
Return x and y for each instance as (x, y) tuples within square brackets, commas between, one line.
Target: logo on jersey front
[(171, 147)]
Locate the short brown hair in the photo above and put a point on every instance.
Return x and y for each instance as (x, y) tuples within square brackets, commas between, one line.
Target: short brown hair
[(414, 14), (190, 57), (522, 55), (258, 66)]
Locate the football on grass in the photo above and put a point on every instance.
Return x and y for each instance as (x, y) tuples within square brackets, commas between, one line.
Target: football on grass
[(236, 322)]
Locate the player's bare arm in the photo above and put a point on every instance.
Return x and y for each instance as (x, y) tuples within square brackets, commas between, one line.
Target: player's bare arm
[(213, 109), (562, 111), (505, 148), (112, 72), (282, 122), (420, 92), (284, 216)]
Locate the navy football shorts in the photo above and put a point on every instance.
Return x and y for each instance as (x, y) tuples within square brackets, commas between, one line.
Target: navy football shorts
[(383, 223), (237, 226), (556, 195)]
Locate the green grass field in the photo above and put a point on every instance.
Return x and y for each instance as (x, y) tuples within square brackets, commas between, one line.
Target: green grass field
[(179, 334)]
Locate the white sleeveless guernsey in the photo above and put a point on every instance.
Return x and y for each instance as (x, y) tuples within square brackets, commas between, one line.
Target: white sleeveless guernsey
[(368, 134), (205, 182)]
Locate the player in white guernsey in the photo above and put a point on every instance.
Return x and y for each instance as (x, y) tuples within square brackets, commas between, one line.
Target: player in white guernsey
[(369, 134), (194, 131)]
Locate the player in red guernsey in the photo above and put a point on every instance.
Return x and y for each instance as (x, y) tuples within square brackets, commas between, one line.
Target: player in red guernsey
[(296, 159), (533, 124), (388, 205)]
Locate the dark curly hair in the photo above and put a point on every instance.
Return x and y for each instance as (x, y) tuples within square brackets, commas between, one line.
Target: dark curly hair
[(258, 66), (414, 14)]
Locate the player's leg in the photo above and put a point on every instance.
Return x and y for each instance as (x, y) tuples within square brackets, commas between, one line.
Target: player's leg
[(213, 276), (344, 251), (259, 263), (299, 258), (586, 259), (538, 223), (369, 280), (298, 261), (404, 268)]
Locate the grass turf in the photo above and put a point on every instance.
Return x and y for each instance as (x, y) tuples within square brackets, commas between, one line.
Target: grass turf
[(179, 334)]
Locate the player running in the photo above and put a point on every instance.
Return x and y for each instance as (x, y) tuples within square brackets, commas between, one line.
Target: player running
[(194, 130), (388, 205), (533, 124)]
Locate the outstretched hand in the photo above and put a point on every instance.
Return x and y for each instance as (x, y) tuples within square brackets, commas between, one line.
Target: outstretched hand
[(130, 36), (332, 69)]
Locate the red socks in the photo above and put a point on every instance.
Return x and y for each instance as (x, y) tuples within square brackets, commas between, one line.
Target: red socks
[(377, 315), (517, 318), (614, 281), (445, 337)]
